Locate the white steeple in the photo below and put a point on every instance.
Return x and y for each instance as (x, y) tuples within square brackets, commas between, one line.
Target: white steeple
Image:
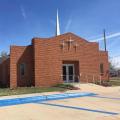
[(57, 25)]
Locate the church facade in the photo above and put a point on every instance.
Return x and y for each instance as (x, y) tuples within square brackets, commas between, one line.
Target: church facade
[(51, 61)]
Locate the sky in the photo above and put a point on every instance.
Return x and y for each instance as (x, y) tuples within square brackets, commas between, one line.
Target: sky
[(21, 20)]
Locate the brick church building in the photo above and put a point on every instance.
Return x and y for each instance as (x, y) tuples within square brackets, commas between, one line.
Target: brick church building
[(50, 61)]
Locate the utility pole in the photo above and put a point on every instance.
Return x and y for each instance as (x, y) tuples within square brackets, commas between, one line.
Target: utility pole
[(104, 39)]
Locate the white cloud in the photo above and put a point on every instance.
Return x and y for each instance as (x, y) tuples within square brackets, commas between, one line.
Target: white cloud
[(68, 25), (116, 61), (23, 12), (108, 36), (93, 37)]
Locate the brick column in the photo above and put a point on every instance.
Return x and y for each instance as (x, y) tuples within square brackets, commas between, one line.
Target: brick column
[(13, 69)]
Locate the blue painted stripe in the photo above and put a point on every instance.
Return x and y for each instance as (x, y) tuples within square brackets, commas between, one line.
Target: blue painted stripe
[(16, 101), (80, 108), (106, 97), (68, 95)]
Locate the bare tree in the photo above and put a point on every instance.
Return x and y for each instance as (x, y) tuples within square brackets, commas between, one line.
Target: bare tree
[(3, 56), (112, 67)]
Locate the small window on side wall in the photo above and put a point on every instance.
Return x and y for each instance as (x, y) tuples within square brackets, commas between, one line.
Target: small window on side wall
[(22, 69), (101, 69)]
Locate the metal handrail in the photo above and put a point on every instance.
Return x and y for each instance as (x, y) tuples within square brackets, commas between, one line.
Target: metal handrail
[(94, 78)]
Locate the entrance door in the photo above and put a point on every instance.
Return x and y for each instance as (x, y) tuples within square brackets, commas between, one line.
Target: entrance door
[(68, 72)]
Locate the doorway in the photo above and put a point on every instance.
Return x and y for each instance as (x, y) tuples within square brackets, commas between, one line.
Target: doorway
[(68, 72)]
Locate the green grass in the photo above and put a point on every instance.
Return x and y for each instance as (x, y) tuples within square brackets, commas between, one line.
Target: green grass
[(65, 85), (114, 82), (28, 90)]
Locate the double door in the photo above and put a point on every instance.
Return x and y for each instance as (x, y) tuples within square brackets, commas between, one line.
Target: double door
[(68, 72)]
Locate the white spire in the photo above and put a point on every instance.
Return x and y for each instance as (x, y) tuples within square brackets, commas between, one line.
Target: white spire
[(57, 25)]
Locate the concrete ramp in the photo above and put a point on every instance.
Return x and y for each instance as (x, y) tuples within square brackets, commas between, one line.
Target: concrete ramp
[(97, 88)]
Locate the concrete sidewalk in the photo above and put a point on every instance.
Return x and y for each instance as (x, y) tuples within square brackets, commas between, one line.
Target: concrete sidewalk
[(70, 107)]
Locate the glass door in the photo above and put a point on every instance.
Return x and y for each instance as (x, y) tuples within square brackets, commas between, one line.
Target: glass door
[(68, 72), (64, 73)]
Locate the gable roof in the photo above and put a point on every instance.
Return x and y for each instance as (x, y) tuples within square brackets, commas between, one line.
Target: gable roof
[(64, 35)]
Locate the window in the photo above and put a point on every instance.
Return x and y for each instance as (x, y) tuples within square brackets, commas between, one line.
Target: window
[(22, 69), (101, 68)]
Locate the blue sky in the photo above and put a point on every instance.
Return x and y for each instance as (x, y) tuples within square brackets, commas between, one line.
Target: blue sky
[(21, 20)]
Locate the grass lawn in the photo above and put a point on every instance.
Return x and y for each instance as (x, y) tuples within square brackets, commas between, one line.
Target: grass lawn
[(115, 81), (28, 90)]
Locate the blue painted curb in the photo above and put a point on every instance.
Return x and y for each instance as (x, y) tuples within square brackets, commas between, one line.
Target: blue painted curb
[(106, 97), (81, 108), (16, 101)]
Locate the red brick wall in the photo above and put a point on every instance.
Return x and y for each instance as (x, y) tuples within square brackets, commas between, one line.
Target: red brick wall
[(20, 55), (49, 57), (45, 57), (104, 60), (47, 69), (87, 55), (5, 73)]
